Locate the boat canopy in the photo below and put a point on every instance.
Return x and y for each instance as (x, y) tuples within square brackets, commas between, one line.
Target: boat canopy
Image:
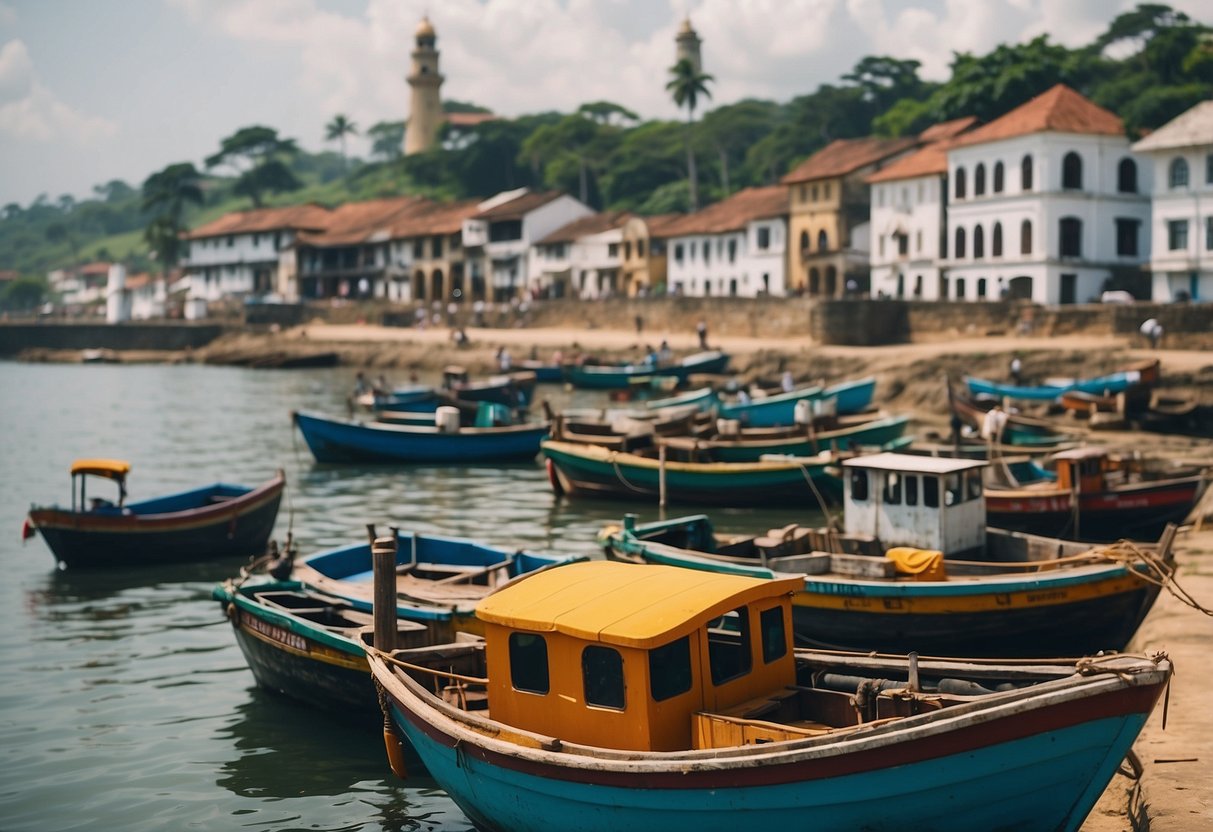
[(620, 604), (113, 469)]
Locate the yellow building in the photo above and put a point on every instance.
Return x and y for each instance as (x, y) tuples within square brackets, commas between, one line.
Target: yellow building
[(643, 266), (829, 207)]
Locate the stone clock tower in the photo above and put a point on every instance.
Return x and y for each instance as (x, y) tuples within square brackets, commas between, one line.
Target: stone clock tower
[(425, 111)]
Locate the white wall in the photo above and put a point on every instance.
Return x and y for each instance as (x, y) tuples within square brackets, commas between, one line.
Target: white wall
[(912, 206), (1184, 269), (730, 263)]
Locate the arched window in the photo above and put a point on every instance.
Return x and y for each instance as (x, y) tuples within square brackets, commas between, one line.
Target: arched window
[(1070, 234), (979, 242), (823, 241), (804, 242), (960, 243), (1071, 171), (960, 288), (1126, 176), (1025, 237), (979, 179), (996, 241), (1025, 173), (960, 183), (998, 177), (1178, 174), (981, 287)]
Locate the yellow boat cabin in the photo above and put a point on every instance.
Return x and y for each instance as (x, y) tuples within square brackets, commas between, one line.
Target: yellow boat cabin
[(627, 657)]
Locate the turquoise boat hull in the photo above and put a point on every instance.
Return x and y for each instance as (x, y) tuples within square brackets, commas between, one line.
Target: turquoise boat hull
[(1100, 385), (620, 377), (780, 410)]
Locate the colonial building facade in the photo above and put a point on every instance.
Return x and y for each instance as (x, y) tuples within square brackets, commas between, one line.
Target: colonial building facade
[(1181, 156), (1046, 203), (581, 259), (644, 265)]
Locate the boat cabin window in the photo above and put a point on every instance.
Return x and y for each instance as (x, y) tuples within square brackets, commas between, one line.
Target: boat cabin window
[(953, 492), (930, 492), (774, 636), (962, 487), (729, 646), (973, 482), (859, 484), (892, 489), (670, 669), (602, 676), (911, 490), (529, 663)]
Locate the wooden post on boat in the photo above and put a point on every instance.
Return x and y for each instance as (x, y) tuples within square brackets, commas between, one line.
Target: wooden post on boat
[(661, 475), (383, 561)]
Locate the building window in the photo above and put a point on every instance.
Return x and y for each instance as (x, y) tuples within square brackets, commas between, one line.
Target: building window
[(918, 241), (979, 242), (732, 251), (1177, 235), (979, 179), (627, 250), (1208, 233), (998, 177), (804, 243), (707, 252), (1071, 171), (804, 193), (728, 640), (960, 288), (981, 288), (1025, 237), (764, 238), (1126, 176), (1178, 174), (903, 244), (960, 183), (960, 243), (1209, 169), (814, 197), (996, 241), (1025, 173), (640, 248), (602, 676), (823, 241), (678, 252), (825, 191), (529, 662), (1070, 232), (612, 250), (1126, 237), (418, 249)]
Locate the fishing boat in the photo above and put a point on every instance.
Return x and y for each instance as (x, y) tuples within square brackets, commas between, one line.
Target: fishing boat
[(1017, 429), (1143, 373), (916, 568), (644, 697), (580, 470), (545, 372), (621, 376), (781, 408), (751, 446), (335, 439), (210, 522), (1100, 496), (513, 390), (305, 634)]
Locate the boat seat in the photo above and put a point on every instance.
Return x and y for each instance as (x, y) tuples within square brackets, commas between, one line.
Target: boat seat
[(790, 540), (424, 589)]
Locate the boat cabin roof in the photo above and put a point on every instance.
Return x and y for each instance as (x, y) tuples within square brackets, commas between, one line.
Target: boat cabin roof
[(624, 605), (1082, 453), (914, 464), (114, 469)]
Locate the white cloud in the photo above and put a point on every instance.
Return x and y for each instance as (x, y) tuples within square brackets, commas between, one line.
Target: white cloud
[(28, 110), (8, 15)]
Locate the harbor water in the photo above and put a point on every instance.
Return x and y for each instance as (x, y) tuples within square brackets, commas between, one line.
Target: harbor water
[(125, 702)]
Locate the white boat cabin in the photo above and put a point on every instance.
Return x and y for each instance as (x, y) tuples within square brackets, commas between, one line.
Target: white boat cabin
[(923, 502)]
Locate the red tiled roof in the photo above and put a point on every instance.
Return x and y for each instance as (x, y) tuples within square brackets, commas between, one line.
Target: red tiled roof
[(354, 222), (468, 119), (431, 217), (931, 159), (1059, 110), (948, 129), (519, 206), (308, 216), (659, 223), (843, 156), (94, 268), (137, 281), (732, 213), (584, 226)]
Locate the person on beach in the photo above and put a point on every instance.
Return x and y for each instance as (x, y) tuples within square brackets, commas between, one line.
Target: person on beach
[(701, 329)]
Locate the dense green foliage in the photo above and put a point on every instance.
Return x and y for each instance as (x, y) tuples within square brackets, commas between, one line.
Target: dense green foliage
[(1151, 64)]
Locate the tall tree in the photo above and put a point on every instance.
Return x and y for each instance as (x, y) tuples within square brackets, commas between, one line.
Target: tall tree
[(255, 154), (337, 130), (386, 139), (574, 146), (686, 85), (166, 194)]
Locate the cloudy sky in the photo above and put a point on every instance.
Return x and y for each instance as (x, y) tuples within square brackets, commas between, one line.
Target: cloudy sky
[(93, 90)]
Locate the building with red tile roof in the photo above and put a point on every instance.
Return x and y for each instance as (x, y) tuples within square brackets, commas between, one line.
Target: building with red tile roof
[(582, 258)]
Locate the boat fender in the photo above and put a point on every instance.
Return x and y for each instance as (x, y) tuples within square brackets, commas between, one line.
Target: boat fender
[(395, 752), (554, 478), (233, 614)]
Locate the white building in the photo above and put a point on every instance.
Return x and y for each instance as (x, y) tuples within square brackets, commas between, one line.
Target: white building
[(1046, 202), (909, 202), (581, 259), (737, 247), (1181, 154), (241, 253), (503, 230)]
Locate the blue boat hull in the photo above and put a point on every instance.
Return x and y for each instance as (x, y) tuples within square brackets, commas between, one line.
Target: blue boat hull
[(337, 440), (1101, 385), (1046, 780), (849, 397)]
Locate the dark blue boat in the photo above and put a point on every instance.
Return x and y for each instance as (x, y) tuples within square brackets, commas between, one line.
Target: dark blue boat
[(347, 440)]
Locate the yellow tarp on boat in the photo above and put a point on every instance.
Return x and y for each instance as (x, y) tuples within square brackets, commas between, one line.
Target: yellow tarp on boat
[(921, 564)]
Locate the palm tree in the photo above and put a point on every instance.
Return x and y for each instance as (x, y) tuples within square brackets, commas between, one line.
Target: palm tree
[(687, 83), (337, 130)]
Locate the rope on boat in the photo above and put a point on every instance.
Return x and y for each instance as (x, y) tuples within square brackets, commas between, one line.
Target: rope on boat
[(623, 479), (1158, 571), (804, 469)]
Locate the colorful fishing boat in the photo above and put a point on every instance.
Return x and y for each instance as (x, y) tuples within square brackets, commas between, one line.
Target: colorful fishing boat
[(881, 432), (916, 568), (545, 372), (622, 376), (781, 408), (1100, 496), (648, 697), (580, 470), (211, 522), (514, 390), (334, 439)]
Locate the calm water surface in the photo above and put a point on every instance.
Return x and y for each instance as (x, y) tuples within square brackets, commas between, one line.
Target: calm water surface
[(125, 702)]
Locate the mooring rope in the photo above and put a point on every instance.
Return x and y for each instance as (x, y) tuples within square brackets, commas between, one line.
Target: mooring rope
[(1158, 571)]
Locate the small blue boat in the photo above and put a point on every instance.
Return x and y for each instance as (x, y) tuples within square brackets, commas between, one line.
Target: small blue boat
[(623, 376), (333, 439), (779, 410)]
